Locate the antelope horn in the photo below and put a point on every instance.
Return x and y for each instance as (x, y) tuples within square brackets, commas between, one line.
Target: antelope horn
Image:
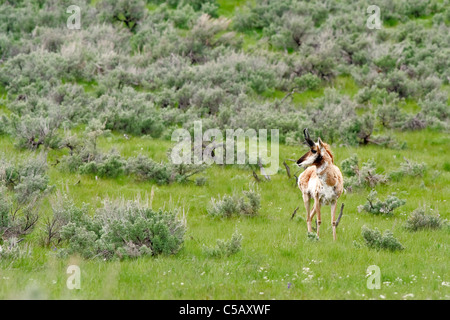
[(308, 138)]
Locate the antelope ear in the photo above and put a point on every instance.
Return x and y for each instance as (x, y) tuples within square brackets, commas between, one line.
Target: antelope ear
[(320, 143)]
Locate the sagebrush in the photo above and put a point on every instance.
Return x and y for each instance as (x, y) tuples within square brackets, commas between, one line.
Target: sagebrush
[(119, 229)]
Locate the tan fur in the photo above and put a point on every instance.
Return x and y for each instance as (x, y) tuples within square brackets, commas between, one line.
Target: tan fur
[(328, 150), (309, 173)]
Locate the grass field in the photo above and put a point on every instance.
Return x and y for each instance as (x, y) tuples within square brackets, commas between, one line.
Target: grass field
[(277, 259)]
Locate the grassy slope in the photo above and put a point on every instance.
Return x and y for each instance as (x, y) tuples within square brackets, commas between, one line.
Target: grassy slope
[(275, 250)]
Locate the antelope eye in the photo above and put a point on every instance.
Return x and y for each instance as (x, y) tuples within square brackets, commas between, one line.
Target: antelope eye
[(313, 151)]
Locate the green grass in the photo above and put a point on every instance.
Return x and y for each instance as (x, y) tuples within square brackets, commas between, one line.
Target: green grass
[(251, 40), (3, 92), (227, 7), (425, 21), (390, 23), (446, 87), (410, 106), (151, 6), (302, 98), (345, 85), (275, 249), (3, 108)]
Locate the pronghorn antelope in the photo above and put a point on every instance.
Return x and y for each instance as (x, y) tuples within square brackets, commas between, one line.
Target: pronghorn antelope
[(321, 181)]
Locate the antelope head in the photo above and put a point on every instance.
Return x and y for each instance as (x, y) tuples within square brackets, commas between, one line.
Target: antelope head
[(315, 154)]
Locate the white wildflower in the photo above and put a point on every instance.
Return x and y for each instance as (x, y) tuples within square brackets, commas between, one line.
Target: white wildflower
[(409, 295)]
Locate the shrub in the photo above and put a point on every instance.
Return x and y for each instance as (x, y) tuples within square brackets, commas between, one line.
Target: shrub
[(391, 116), (64, 211), (377, 96), (127, 12), (26, 179), (333, 118), (210, 8), (123, 230), (110, 165), (375, 240), (435, 110), (12, 249), (201, 181), (397, 81), (292, 33), (386, 63), (429, 84), (415, 123), (438, 18), (247, 204), (250, 204), (85, 158), (422, 218), (209, 98), (387, 141), (23, 185), (128, 111), (196, 4), (408, 168), (43, 110), (308, 82), (147, 169), (205, 29), (118, 79), (38, 69), (356, 177), (184, 16), (350, 166), (32, 132), (299, 27), (224, 207), (243, 19), (416, 8), (376, 206), (225, 248)]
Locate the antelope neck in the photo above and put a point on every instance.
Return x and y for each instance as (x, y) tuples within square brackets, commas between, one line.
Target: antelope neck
[(321, 167)]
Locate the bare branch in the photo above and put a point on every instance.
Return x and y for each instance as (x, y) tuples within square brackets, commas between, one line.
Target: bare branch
[(340, 215), (295, 211), (288, 170), (256, 177)]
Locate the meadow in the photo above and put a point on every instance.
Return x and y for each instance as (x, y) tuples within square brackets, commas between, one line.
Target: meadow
[(141, 75)]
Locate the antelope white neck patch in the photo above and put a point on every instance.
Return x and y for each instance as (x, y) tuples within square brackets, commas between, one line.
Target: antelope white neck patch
[(322, 168)]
